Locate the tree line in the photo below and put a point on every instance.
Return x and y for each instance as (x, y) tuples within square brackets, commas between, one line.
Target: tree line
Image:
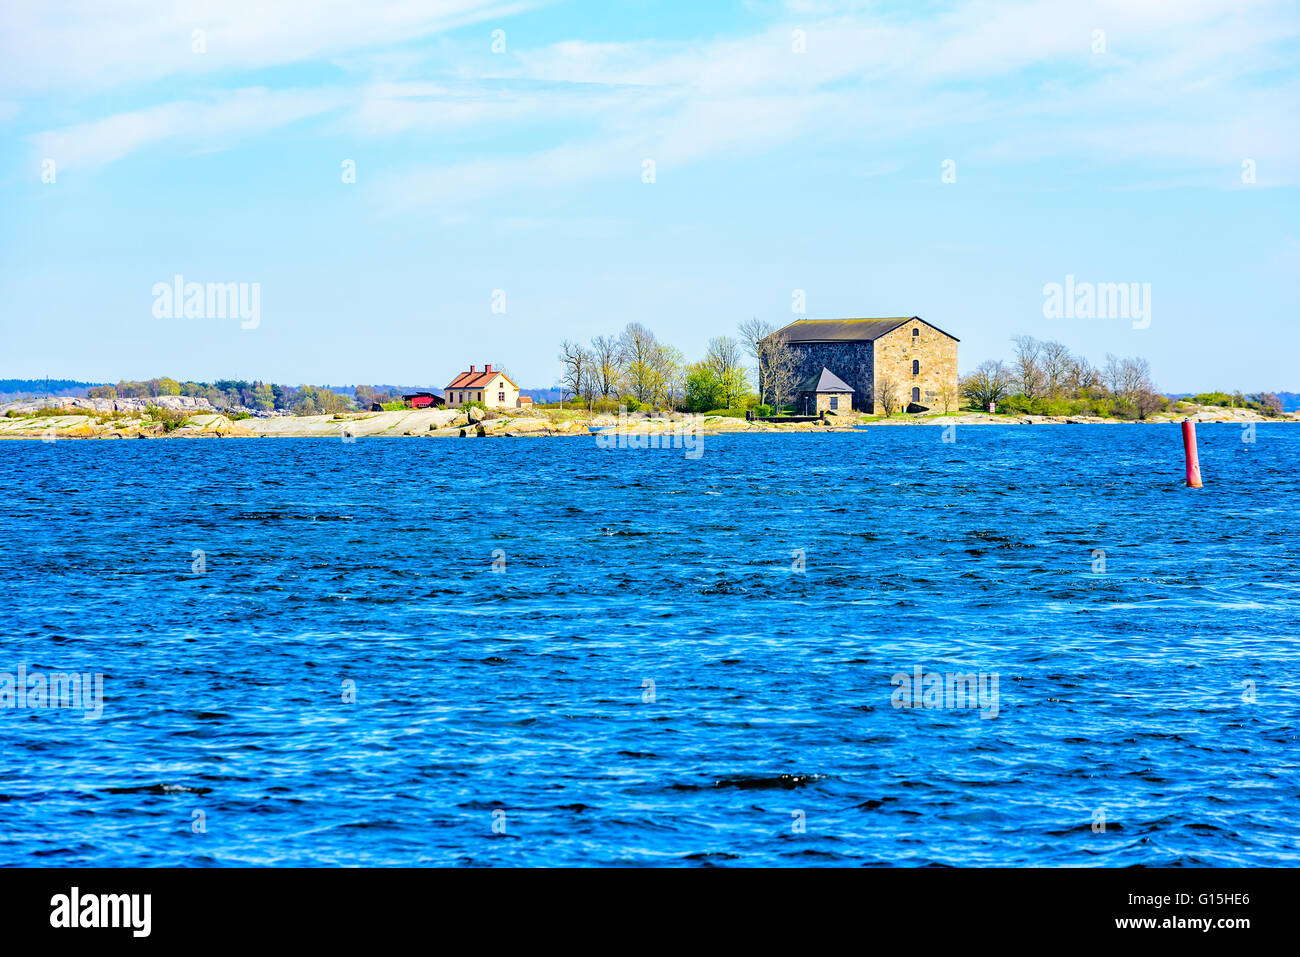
[(232, 394), (1046, 378), (637, 369)]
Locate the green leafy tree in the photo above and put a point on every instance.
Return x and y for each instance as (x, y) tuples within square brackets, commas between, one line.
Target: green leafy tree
[(702, 387)]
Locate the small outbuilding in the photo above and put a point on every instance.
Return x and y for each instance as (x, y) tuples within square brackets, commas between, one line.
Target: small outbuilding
[(423, 400), (824, 392)]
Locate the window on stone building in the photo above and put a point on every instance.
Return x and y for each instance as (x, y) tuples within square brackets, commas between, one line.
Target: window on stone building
[(835, 402), (916, 367), (915, 332), (916, 395)]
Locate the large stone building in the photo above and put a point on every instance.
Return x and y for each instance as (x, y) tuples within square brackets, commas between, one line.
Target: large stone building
[(920, 359)]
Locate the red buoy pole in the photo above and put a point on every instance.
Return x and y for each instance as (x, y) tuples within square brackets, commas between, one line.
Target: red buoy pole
[(1189, 453)]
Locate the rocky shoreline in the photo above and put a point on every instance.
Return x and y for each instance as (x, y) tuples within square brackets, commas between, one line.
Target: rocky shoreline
[(125, 421)]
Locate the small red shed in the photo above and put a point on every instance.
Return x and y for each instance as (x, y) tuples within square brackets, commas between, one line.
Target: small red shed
[(422, 400)]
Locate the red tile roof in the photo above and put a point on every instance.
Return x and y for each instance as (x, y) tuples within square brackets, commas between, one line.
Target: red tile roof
[(477, 380)]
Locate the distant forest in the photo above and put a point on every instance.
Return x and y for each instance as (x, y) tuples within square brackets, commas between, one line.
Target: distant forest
[(1290, 400), (34, 387)]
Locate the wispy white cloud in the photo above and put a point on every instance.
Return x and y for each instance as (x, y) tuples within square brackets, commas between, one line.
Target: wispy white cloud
[(86, 46), (1012, 81), (1190, 82), (204, 124)]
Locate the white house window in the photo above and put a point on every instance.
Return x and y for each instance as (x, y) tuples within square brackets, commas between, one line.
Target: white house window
[(501, 396)]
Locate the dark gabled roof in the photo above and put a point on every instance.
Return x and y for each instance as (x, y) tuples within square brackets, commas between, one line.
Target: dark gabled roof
[(824, 381), (846, 330)]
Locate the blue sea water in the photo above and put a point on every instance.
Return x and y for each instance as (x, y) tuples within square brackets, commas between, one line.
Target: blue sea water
[(564, 655)]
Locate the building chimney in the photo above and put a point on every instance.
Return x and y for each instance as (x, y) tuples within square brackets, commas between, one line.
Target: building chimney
[(471, 368), (488, 367)]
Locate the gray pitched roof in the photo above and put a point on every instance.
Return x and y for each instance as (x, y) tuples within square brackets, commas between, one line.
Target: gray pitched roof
[(845, 330), (824, 381)]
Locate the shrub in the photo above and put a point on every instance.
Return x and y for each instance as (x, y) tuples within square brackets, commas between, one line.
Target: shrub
[(1213, 398), (170, 419), (1123, 409), (1103, 408), (105, 417)]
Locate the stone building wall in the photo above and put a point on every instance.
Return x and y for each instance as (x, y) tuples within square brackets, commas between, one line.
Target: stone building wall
[(851, 361), (823, 404), (936, 353)]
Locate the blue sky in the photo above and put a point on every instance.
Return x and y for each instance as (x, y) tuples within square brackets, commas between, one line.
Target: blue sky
[(522, 170)]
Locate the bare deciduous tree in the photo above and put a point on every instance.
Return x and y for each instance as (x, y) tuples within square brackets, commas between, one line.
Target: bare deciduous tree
[(780, 369), (1112, 373), (1135, 378), (723, 360), (638, 346), (1027, 365), (1148, 401), (666, 384), (576, 370), (1055, 362), (1082, 376), (752, 333), (887, 395), (607, 365), (989, 383), (948, 397)]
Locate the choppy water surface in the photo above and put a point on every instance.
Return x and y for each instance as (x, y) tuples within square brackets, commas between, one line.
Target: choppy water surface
[(647, 679)]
